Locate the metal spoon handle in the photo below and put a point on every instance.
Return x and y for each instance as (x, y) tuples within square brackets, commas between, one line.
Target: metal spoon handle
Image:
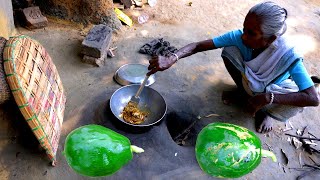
[(142, 86)]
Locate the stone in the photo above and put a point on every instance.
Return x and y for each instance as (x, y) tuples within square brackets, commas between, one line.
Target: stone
[(97, 41), (126, 3), (94, 61), (34, 18)]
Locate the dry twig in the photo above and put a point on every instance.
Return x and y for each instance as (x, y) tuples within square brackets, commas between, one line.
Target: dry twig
[(316, 139)]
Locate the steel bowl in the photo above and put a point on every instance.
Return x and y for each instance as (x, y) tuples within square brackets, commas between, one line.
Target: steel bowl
[(150, 100), (132, 74)]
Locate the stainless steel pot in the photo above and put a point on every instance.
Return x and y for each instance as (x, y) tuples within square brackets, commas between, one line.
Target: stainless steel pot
[(150, 99)]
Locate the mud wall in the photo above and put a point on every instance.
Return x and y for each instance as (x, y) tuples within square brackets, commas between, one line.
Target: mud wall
[(6, 18), (82, 11)]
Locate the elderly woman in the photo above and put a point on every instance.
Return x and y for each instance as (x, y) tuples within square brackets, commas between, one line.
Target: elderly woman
[(265, 67)]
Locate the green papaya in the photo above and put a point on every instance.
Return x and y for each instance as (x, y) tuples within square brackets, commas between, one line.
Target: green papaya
[(94, 150), (228, 151)]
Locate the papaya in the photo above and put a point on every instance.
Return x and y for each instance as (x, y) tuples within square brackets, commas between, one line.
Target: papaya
[(95, 151), (229, 151)]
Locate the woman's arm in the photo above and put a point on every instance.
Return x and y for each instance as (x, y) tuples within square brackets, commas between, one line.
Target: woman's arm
[(161, 63), (196, 47), (307, 97)]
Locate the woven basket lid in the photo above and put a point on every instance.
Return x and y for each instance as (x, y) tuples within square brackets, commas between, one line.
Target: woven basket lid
[(5, 93), (37, 89)]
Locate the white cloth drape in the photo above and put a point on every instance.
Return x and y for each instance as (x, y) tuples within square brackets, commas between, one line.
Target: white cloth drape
[(259, 70)]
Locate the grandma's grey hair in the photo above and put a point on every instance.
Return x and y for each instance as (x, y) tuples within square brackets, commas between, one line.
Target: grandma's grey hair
[(272, 18)]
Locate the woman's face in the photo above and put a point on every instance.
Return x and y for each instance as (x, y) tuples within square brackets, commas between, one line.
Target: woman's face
[(252, 35)]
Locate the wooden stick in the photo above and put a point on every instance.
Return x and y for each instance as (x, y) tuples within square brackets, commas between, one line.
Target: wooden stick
[(315, 150), (306, 173), (315, 167), (312, 134), (186, 131), (313, 161), (298, 169), (316, 139)]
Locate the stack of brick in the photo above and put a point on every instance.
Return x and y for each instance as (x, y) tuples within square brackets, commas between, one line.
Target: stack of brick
[(96, 45), (33, 18)]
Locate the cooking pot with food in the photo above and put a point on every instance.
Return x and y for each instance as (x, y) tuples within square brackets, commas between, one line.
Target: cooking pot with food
[(150, 102)]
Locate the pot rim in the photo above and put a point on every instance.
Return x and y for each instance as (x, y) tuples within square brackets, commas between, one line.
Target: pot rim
[(124, 81)]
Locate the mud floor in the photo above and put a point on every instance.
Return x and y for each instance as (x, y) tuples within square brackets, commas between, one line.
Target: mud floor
[(191, 88)]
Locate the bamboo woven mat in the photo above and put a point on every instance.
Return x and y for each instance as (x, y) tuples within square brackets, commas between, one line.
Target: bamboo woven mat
[(5, 93), (37, 89)]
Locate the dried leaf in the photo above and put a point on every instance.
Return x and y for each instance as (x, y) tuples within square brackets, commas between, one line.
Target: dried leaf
[(300, 160), (311, 143), (296, 142), (286, 160), (299, 132), (287, 129), (290, 124), (305, 130), (210, 115)]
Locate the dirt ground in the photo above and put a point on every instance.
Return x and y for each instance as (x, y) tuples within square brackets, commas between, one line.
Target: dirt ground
[(193, 86)]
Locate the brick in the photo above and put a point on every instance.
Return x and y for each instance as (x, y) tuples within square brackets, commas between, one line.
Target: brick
[(97, 41), (34, 18), (94, 61)]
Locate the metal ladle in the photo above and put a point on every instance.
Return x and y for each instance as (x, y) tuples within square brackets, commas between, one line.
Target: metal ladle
[(136, 98)]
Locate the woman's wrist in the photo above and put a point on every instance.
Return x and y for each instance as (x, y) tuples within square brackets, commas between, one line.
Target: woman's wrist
[(175, 56), (271, 98)]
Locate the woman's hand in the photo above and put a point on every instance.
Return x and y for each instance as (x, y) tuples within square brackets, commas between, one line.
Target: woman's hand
[(161, 63), (257, 102)]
